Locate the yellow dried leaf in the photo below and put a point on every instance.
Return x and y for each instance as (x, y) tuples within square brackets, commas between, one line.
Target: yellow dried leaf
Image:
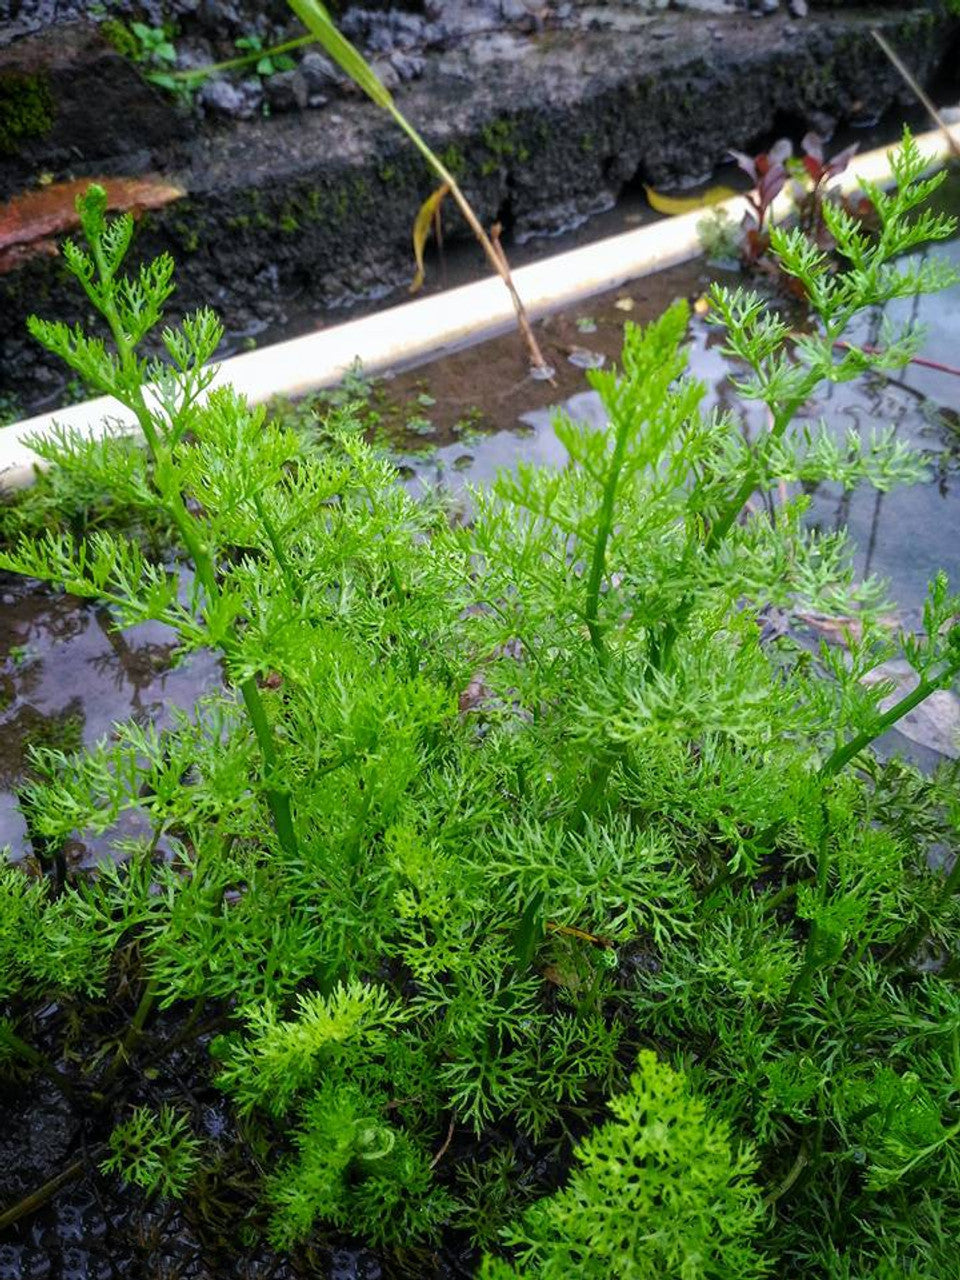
[(421, 230), (674, 205)]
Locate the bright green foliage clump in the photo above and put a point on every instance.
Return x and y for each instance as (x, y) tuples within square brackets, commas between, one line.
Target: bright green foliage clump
[(154, 1150), (657, 1192), (483, 812)]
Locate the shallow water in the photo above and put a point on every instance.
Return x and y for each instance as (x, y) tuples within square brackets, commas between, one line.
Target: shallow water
[(903, 536), (66, 676)]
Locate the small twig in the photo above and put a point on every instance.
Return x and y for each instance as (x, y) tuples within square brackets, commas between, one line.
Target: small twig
[(37, 1199), (920, 360), (400, 1102), (499, 260), (446, 1143), (934, 113), (571, 932), (796, 1169)]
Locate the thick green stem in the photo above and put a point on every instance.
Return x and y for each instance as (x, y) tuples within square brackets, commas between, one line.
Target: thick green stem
[(283, 560), (278, 800), (131, 394), (810, 954), (37, 1199), (843, 755), (598, 561), (662, 651), (133, 1033)]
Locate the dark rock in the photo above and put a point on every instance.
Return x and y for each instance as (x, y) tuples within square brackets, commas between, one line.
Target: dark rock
[(320, 74), (223, 98), (63, 81), (286, 91), (408, 66)]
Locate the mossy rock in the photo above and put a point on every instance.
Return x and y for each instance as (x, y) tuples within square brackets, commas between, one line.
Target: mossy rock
[(27, 109)]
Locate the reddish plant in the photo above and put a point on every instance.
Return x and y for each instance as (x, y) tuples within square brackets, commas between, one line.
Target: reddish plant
[(820, 172), (768, 172)]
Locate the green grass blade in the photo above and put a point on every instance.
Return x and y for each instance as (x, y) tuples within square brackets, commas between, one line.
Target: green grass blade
[(316, 19)]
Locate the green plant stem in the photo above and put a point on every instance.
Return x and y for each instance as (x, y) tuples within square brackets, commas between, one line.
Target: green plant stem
[(843, 755), (283, 560), (315, 17), (783, 895), (793, 1174), (130, 392), (204, 73), (37, 1199), (598, 560), (662, 653), (133, 1033), (395, 579), (810, 959), (38, 1060)]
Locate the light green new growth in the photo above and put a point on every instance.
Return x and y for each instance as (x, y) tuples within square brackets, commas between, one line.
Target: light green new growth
[(154, 1150), (658, 1191)]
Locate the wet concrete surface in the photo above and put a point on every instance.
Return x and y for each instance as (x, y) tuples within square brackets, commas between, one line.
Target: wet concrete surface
[(544, 128)]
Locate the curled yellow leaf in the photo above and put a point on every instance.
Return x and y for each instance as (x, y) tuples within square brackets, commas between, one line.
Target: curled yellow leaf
[(674, 205), (421, 230)]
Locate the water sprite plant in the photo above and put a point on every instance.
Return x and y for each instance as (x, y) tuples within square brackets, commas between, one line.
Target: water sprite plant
[(649, 865)]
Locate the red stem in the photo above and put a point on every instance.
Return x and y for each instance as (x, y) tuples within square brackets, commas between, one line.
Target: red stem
[(921, 360)]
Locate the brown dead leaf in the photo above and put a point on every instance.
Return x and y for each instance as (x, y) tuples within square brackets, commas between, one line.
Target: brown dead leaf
[(561, 977), (35, 216), (836, 630)]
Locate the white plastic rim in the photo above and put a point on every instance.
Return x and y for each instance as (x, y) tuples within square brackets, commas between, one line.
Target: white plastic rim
[(425, 329)]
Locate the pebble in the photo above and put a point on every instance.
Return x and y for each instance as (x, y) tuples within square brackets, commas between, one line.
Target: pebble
[(408, 66), (221, 97), (319, 72), (798, 8), (287, 91), (237, 101)]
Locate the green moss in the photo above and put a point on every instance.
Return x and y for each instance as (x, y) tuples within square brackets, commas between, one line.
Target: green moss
[(188, 236), (500, 139), (454, 160), (27, 109), (119, 36)]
